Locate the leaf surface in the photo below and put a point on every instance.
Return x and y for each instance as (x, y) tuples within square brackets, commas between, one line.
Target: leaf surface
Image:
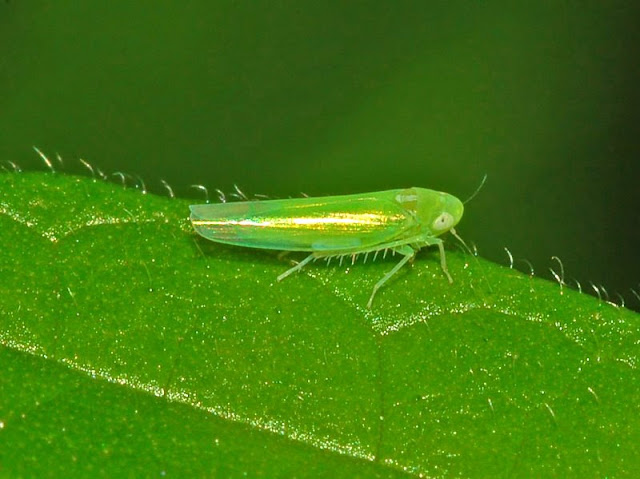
[(132, 346)]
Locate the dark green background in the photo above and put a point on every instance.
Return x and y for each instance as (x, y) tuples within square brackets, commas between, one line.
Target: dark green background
[(342, 97)]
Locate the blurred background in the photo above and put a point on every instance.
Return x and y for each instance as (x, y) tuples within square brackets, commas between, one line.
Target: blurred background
[(332, 97)]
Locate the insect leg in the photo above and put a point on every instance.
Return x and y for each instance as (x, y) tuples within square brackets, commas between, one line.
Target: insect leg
[(297, 267), (443, 261), (408, 253)]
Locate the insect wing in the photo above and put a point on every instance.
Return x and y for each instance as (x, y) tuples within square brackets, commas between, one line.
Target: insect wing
[(334, 223)]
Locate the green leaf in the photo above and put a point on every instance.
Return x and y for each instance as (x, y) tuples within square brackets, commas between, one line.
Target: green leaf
[(132, 347)]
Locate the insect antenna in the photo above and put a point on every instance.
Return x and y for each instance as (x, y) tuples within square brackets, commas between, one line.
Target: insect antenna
[(484, 179)]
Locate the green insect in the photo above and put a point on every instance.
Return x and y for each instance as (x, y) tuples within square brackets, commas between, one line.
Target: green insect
[(401, 221)]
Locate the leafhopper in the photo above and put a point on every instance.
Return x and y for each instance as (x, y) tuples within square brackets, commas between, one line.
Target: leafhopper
[(401, 221)]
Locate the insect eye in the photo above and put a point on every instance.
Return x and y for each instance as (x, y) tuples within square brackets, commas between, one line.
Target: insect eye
[(443, 222)]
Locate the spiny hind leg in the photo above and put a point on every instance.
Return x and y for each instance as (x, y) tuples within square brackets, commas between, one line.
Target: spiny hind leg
[(297, 267), (408, 252)]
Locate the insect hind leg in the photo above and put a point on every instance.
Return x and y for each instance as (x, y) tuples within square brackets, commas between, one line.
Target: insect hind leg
[(297, 267), (408, 252)]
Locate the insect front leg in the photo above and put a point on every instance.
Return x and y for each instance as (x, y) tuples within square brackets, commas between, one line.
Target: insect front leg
[(443, 260), (408, 252), (431, 241)]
